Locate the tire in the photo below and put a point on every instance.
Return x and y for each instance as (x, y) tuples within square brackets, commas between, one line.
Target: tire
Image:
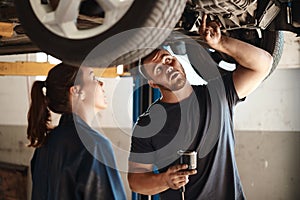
[(163, 14), (273, 42)]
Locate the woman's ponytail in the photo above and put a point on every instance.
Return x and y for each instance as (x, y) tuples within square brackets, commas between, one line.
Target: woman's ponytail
[(39, 117)]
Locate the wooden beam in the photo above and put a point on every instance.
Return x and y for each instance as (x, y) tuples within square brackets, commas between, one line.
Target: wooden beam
[(6, 29), (25, 68), (110, 72), (41, 69)]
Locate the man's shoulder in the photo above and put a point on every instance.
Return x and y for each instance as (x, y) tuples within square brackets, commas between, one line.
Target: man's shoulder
[(143, 119), (153, 112)]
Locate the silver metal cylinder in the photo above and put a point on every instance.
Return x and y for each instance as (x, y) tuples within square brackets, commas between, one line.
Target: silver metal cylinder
[(189, 158)]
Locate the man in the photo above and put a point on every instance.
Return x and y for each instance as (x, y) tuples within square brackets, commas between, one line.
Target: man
[(194, 118)]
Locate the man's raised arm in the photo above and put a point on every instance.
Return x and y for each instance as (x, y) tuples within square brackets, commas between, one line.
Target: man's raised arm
[(254, 63)]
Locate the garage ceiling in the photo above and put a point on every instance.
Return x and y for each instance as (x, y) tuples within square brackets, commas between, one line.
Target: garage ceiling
[(13, 39)]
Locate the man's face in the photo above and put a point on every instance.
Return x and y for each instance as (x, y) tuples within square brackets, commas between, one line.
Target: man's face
[(165, 70)]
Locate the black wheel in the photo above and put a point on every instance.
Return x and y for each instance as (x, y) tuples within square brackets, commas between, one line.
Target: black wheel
[(60, 28), (271, 41)]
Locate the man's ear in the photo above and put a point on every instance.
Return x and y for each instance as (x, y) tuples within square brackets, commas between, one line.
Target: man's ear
[(152, 84)]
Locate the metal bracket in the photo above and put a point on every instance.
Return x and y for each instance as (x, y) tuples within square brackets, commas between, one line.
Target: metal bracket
[(269, 14)]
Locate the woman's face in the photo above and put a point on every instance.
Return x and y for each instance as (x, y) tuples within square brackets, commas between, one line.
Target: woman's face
[(93, 89)]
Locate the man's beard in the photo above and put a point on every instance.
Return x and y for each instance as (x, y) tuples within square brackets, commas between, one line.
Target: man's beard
[(179, 84)]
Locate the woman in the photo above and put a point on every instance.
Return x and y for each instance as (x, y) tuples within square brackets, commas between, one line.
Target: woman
[(71, 161)]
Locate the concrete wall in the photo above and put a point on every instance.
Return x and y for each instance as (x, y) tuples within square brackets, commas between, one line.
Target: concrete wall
[(268, 138), (268, 132), (269, 164)]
